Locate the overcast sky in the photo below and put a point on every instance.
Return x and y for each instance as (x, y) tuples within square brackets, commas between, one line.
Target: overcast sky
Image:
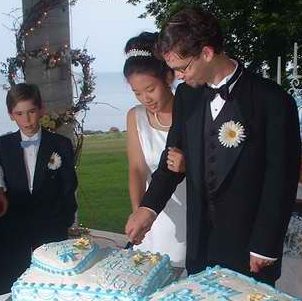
[(102, 26)]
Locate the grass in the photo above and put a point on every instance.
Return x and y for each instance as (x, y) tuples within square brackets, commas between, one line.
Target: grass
[(104, 202)]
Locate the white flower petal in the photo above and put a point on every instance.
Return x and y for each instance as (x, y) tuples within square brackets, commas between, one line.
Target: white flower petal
[(231, 134), (55, 161)]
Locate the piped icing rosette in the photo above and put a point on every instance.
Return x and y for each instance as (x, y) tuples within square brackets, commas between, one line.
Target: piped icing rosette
[(68, 257)]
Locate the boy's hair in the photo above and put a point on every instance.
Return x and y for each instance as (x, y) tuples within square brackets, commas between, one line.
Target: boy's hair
[(188, 31), (21, 92)]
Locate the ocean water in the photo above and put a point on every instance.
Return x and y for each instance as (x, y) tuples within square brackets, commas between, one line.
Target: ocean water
[(109, 109)]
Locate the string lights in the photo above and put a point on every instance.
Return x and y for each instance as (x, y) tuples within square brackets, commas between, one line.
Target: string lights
[(14, 69)]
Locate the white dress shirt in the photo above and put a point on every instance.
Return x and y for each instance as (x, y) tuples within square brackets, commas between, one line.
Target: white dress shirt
[(30, 157), (217, 103)]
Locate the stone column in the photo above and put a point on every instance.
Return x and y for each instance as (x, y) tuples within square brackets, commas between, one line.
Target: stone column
[(55, 84)]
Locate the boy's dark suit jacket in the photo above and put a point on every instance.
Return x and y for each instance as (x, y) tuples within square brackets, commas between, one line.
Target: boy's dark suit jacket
[(43, 215), (253, 194)]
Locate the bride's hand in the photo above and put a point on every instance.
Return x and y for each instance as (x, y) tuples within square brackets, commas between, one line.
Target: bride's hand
[(176, 160)]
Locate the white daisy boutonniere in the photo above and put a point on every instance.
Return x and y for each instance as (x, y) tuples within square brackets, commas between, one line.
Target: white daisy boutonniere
[(55, 161), (231, 134)]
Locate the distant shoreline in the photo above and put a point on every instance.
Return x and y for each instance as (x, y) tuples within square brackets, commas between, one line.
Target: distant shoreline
[(113, 100)]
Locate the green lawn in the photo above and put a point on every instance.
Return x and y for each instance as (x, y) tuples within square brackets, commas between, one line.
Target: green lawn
[(103, 183)]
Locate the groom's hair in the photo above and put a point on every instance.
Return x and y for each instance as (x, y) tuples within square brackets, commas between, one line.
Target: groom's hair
[(188, 31), (23, 92)]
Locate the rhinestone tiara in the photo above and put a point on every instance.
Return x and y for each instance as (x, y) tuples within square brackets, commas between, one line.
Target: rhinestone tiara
[(137, 52)]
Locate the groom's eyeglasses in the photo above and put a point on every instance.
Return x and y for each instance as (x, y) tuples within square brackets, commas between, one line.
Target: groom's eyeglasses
[(184, 69)]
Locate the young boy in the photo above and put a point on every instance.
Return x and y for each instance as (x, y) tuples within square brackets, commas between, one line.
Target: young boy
[(40, 179)]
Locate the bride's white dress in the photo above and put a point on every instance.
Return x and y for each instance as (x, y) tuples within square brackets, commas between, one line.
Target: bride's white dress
[(168, 233)]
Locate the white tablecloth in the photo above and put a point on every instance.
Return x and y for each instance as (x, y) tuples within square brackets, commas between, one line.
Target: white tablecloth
[(291, 273), (291, 277)]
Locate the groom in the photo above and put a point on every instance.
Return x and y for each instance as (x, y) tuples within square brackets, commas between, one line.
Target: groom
[(240, 137)]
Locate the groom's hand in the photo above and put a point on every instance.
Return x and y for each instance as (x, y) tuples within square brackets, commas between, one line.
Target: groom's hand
[(257, 264), (139, 223)]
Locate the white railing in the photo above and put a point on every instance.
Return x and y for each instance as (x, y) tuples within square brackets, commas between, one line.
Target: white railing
[(295, 81)]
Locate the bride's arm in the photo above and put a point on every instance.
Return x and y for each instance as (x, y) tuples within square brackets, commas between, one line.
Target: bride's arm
[(138, 169)]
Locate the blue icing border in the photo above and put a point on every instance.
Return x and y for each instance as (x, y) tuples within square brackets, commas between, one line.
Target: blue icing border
[(81, 267), (159, 273), (95, 293), (249, 280), (220, 290)]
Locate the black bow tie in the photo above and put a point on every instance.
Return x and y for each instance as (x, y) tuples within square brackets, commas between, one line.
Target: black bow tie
[(224, 90)]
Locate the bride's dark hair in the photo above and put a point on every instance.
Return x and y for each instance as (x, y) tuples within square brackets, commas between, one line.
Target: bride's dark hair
[(145, 64)]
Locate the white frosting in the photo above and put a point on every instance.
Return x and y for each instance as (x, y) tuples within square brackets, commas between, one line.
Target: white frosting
[(116, 276), (65, 257), (218, 284), (119, 272)]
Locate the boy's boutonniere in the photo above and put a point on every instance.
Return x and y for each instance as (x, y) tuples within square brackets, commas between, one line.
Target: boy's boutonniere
[(231, 134), (55, 161)]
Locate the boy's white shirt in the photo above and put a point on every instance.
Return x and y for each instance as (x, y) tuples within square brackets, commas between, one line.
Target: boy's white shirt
[(30, 157)]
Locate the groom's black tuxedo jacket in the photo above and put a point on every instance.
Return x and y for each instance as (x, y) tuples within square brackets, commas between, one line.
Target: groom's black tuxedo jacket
[(254, 192)]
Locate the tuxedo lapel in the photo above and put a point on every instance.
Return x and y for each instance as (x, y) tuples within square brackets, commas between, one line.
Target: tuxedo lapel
[(17, 163), (242, 96), (229, 158), (242, 106), (43, 156)]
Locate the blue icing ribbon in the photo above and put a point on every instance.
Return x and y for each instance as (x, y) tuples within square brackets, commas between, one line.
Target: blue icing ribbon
[(67, 254), (214, 287)]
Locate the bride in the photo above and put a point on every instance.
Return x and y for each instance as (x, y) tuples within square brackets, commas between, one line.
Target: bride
[(147, 129)]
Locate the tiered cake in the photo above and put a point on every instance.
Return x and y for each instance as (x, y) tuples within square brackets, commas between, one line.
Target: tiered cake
[(217, 284), (79, 270)]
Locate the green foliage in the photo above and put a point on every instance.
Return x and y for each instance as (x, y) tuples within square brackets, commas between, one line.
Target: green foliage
[(104, 202), (256, 31)]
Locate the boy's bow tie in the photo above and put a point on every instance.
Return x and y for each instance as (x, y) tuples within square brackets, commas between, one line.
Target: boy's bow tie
[(27, 143)]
